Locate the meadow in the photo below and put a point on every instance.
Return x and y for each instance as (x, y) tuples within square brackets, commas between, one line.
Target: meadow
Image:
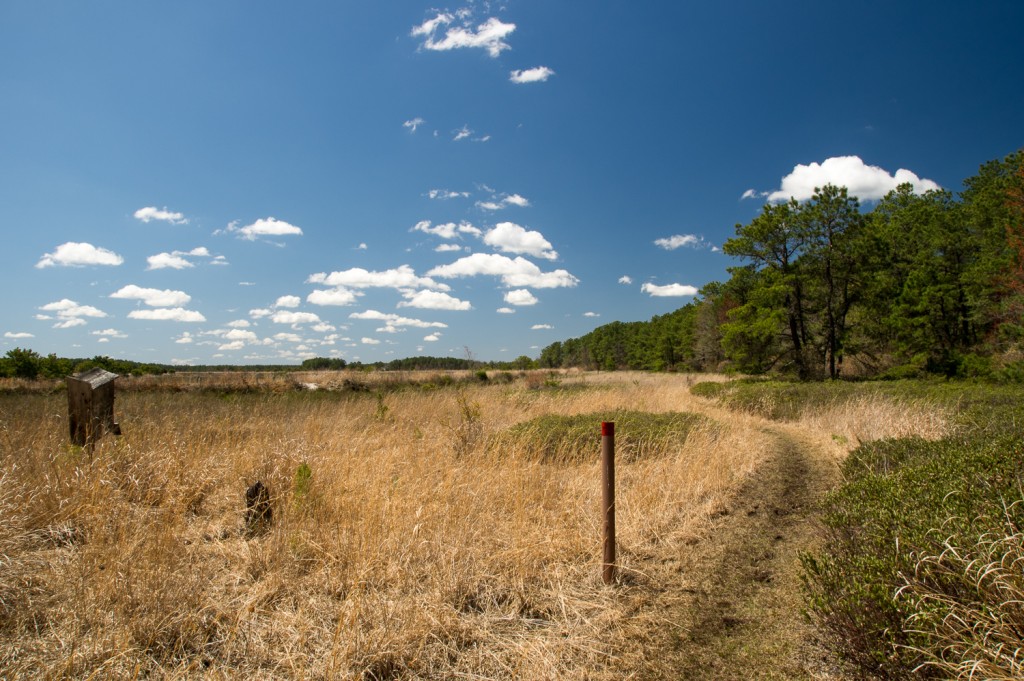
[(416, 532)]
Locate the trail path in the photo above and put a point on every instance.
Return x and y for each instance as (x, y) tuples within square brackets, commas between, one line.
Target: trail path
[(732, 607)]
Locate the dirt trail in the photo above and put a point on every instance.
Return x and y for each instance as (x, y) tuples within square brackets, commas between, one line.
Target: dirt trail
[(731, 602)]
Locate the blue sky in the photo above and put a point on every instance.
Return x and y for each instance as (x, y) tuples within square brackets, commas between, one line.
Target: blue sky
[(255, 182)]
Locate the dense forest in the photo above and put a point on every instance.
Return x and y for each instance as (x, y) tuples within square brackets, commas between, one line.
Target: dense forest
[(930, 283)]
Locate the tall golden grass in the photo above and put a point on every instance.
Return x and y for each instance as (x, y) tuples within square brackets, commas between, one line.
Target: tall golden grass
[(416, 550)]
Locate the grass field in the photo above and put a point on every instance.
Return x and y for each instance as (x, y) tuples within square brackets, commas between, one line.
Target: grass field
[(415, 532)]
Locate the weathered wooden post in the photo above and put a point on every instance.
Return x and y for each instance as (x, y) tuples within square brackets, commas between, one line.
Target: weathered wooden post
[(608, 499), (91, 406)]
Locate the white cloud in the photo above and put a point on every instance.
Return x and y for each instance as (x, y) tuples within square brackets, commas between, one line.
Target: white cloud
[(489, 35), (69, 323), (433, 300), (393, 320), (260, 312), (678, 240), (168, 314), (153, 213), (512, 238), (401, 277), (462, 133), (413, 123), (233, 345), (591, 314), (322, 327), (264, 227), (361, 247), (69, 309), (288, 337), (185, 339), (625, 279), (369, 341), (520, 297), (432, 338), (79, 254), (538, 74), (519, 272), (505, 310), (753, 194), (446, 194), (448, 230), (504, 202), (334, 296), (239, 324), (284, 317), (153, 297), (18, 334), (110, 333), (868, 183), (448, 248), (167, 260), (539, 327), (288, 301), (241, 335), (669, 290)]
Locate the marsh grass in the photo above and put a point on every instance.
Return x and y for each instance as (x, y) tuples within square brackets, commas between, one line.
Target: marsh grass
[(404, 544)]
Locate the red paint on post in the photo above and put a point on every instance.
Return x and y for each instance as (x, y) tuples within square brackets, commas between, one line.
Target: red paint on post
[(607, 429)]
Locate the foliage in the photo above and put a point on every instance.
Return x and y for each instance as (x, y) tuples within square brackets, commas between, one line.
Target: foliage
[(554, 438)]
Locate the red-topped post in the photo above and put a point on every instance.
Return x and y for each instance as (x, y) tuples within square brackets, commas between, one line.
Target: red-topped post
[(608, 499)]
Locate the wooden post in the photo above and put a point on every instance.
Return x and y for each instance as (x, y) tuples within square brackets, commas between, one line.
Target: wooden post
[(91, 406), (608, 499)]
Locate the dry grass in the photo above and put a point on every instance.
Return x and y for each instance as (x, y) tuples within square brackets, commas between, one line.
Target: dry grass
[(416, 552)]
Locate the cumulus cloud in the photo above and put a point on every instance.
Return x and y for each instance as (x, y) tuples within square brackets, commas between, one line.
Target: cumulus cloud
[(489, 36), (868, 183), (538, 74), (401, 277), (153, 213), (538, 327), (448, 230), (239, 324), (448, 248), (185, 338), (512, 238), (260, 312), (433, 300), (394, 320), (432, 338), (677, 241), (18, 334), (519, 272), (168, 314), (413, 123), (591, 314), (625, 279), (264, 227), (288, 301), (79, 254), (153, 297), (71, 313), (295, 318), (110, 333), (167, 261), (369, 341), (335, 296), (505, 310), (520, 297), (669, 290)]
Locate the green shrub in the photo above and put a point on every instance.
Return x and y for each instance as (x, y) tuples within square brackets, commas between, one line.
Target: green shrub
[(903, 500), (577, 439)]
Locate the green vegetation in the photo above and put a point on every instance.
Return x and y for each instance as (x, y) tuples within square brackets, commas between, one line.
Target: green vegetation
[(929, 283), (919, 573), (574, 439)]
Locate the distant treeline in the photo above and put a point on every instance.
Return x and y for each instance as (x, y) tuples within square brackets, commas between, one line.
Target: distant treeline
[(930, 283), (24, 363)]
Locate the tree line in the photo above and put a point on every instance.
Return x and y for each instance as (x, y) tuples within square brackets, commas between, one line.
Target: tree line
[(929, 282)]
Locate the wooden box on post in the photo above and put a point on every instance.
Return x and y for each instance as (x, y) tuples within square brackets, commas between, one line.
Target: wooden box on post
[(91, 406)]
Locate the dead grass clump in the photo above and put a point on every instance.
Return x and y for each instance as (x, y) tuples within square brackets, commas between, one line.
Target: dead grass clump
[(869, 417)]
